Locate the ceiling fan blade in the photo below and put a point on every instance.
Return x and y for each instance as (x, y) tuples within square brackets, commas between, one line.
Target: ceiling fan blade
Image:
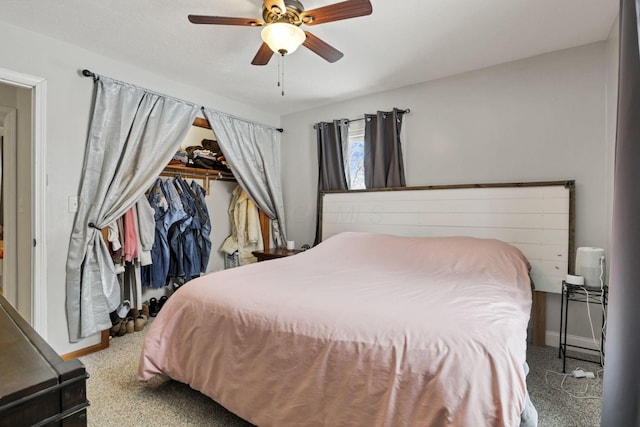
[(223, 20), (337, 11), (272, 5), (263, 56), (322, 48)]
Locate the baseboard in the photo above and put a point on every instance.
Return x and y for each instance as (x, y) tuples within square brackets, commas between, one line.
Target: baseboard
[(104, 343), (552, 339)]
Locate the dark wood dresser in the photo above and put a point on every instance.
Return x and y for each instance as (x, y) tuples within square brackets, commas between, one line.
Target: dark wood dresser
[(37, 387)]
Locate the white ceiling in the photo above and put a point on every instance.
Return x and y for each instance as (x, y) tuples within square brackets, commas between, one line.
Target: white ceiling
[(403, 42)]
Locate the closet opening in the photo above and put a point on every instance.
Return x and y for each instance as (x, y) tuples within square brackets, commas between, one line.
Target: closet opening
[(198, 163)]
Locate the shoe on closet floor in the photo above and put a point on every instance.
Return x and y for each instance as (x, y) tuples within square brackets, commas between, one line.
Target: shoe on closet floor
[(145, 310), (130, 325), (163, 299), (115, 319), (139, 323), (123, 329), (153, 307), (115, 328), (123, 309)]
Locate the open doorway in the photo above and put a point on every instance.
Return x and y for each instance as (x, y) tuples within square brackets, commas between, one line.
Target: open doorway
[(23, 183), (15, 103)]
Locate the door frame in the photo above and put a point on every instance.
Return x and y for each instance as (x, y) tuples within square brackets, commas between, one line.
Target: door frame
[(38, 86)]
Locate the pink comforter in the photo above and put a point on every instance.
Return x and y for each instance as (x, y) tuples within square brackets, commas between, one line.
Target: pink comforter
[(362, 330)]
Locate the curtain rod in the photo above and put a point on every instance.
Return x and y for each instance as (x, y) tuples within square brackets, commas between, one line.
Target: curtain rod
[(405, 111), (88, 73)]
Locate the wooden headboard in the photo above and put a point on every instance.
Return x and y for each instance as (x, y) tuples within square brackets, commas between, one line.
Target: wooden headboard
[(536, 217)]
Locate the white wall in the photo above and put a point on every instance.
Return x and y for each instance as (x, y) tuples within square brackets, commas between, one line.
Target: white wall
[(540, 118), (69, 100)]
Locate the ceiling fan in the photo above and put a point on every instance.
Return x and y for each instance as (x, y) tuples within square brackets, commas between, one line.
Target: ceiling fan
[(282, 19)]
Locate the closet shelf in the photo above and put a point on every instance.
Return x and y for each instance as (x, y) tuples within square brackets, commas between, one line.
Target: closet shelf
[(206, 175)]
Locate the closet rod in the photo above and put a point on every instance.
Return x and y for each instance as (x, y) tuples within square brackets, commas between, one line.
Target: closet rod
[(94, 76), (214, 176)]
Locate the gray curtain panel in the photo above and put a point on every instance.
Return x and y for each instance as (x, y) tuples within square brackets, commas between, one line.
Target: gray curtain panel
[(622, 371), (253, 153), (133, 135), (333, 140), (383, 164)]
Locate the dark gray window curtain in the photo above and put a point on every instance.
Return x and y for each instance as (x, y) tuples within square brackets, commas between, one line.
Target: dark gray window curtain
[(622, 371), (133, 135), (383, 164), (332, 140), (253, 153)]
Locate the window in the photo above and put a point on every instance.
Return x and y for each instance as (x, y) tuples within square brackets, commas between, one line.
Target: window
[(354, 162)]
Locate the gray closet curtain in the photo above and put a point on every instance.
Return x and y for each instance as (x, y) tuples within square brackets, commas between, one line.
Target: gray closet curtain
[(133, 135), (253, 153), (383, 164), (332, 145), (622, 372)]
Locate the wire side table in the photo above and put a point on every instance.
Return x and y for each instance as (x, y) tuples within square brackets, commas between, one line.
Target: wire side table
[(582, 294)]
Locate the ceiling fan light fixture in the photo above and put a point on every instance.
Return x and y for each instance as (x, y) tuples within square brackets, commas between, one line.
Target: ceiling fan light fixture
[(282, 37)]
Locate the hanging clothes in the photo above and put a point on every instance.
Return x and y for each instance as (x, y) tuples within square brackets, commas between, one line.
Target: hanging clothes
[(187, 238), (144, 227), (245, 228), (176, 243), (114, 231), (182, 244), (145, 215), (130, 239), (130, 236), (165, 215), (204, 236)]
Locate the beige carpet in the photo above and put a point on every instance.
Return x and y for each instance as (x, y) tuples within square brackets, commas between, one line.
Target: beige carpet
[(118, 399), (563, 401)]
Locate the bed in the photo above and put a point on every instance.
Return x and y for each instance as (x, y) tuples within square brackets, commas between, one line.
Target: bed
[(364, 329)]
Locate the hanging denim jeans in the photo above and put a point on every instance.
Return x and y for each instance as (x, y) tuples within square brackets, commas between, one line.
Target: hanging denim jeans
[(168, 210), (191, 256), (202, 217), (151, 275), (176, 229), (204, 237)]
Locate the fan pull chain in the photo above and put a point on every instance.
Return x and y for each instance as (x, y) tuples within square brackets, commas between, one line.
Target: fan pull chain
[(282, 92), (281, 73), (279, 61)]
